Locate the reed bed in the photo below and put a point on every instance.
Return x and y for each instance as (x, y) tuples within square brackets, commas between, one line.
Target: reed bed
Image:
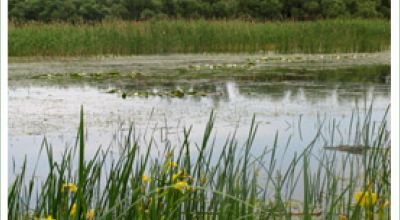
[(186, 184), (198, 36)]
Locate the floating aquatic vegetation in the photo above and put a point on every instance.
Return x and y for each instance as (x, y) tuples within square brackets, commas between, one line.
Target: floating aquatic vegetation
[(77, 75), (123, 95), (252, 69), (111, 91), (218, 66), (136, 74), (175, 93), (355, 149), (272, 58), (196, 93)]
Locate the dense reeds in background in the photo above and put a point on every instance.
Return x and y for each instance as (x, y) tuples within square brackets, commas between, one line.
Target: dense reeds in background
[(198, 36)]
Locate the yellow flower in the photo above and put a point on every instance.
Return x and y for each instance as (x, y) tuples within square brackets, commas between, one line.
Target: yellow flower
[(145, 179), (186, 175), (181, 185), (365, 198), (49, 217), (175, 176), (342, 217), (70, 186), (172, 164), (90, 214), (73, 210)]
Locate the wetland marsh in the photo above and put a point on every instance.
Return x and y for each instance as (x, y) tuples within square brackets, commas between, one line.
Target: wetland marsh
[(217, 119), (199, 109)]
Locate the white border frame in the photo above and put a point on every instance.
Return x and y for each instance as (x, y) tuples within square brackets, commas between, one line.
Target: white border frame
[(4, 109), (395, 166)]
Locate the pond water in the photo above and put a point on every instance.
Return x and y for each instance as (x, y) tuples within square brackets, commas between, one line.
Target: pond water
[(291, 109)]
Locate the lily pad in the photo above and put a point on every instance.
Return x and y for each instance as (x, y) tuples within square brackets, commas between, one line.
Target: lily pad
[(177, 93)]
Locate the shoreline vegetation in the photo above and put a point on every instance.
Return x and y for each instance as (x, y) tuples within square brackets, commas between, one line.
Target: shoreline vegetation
[(365, 74), (198, 36), (75, 11), (183, 182), (342, 173)]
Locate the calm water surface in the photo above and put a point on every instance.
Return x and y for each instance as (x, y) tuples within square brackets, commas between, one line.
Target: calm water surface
[(293, 111)]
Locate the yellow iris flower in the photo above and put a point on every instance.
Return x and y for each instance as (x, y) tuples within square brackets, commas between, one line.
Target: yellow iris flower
[(70, 186), (73, 210), (181, 186), (90, 214), (145, 179), (49, 217), (365, 198), (175, 176), (172, 164)]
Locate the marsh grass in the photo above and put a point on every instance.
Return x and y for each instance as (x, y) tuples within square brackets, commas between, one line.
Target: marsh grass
[(238, 185), (197, 36), (369, 73)]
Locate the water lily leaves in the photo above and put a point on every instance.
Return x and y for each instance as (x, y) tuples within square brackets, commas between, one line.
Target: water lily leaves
[(136, 75), (124, 95), (112, 91), (195, 93), (176, 93)]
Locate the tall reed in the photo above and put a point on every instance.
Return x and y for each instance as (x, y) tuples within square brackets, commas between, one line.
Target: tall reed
[(198, 36), (237, 185)]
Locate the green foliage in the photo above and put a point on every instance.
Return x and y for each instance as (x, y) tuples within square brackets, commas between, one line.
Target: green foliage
[(367, 9), (204, 180), (92, 10), (267, 9), (179, 36), (334, 8)]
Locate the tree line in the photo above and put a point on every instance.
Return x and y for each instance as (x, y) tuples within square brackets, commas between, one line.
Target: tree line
[(76, 11)]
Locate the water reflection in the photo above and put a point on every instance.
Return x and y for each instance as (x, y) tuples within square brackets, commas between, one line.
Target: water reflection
[(293, 110)]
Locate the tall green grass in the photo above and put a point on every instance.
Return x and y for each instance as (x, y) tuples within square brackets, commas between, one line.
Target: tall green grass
[(179, 36), (237, 185)]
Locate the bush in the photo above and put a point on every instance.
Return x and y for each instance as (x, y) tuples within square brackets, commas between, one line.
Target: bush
[(91, 10)]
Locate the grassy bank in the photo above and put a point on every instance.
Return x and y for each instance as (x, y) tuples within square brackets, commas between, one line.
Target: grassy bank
[(185, 184), (161, 37)]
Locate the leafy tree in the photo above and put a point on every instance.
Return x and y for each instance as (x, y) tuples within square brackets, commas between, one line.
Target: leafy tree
[(91, 11), (221, 9), (119, 11), (188, 8), (333, 8), (17, 10), (384, 8), (168, 7), (311, 8), (367, 9), (147, 14), (135, 7), (265, 9), (97, 10), (270, 9)]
